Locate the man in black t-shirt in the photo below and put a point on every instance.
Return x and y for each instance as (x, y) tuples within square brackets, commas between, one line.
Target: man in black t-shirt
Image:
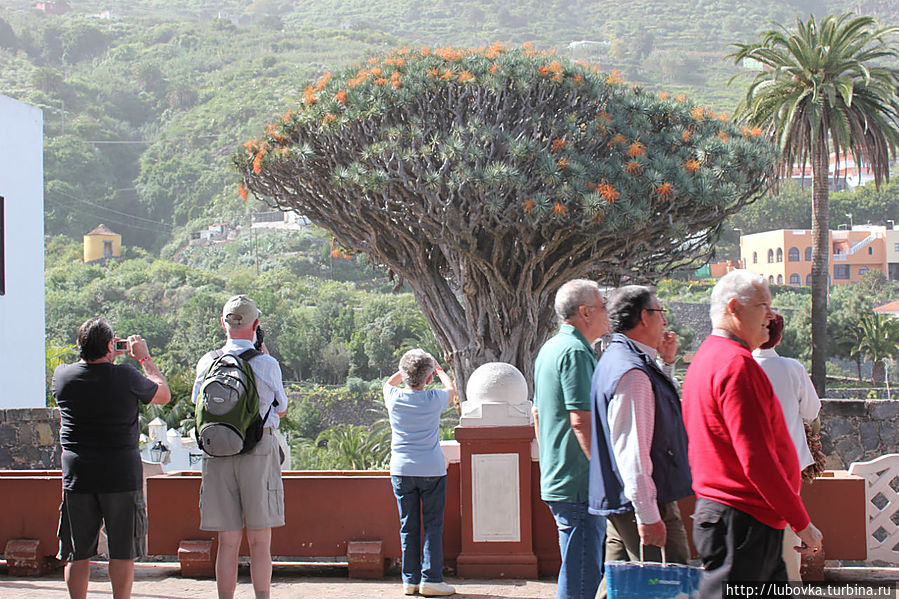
[(101, 467)]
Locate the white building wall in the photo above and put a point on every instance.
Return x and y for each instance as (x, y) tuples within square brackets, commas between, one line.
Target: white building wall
[(22, 368)]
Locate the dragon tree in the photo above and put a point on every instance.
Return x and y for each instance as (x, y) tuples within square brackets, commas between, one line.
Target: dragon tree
[(486, 178)]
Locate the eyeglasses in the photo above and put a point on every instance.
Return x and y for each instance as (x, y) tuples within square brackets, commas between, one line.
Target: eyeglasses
[(655, 309)]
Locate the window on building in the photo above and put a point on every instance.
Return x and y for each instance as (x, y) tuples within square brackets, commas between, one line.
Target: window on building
[(780, 279), (793, 255), (755, 257), (770, 256), (870, 251), (862, 270), (896, 247), (808, 254), (771, 280), (808, 279), (780, 255), (841, 271), (795, 279)]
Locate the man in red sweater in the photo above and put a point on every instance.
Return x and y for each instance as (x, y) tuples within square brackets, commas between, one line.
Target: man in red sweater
[(744, 465)]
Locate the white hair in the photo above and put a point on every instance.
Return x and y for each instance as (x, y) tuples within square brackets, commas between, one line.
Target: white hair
[(741, 284), (573, 294)]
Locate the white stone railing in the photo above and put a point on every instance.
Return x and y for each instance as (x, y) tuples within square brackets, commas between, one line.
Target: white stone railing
[(881, 506)]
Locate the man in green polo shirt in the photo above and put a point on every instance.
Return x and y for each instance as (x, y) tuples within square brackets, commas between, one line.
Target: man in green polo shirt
[(563, 374)]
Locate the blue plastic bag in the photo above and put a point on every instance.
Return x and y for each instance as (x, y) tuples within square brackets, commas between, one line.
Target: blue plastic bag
[(651, 580)]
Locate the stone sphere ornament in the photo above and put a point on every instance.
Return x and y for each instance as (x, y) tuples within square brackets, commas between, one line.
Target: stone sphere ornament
[(496, 395)]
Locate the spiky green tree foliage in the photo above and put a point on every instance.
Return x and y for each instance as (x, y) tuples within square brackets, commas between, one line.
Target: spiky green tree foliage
[(828, 86), (487, 178), (878, 341)]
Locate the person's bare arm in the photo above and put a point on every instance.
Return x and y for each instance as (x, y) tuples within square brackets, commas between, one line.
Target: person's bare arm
[(395, 379), (137, 349), (536, 426), (580, 424), (450, 387)]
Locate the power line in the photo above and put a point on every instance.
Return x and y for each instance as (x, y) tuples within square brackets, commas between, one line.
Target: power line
[(151, 221), (114, 221)]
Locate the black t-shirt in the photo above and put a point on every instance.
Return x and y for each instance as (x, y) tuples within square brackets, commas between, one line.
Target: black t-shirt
[(99, 429)]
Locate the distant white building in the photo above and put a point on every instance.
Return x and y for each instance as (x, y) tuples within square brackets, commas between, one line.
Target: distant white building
[(23, 366), (849, 175), (276, 219)]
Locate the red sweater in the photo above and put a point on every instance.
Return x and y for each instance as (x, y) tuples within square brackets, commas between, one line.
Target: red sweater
[(740, 450)]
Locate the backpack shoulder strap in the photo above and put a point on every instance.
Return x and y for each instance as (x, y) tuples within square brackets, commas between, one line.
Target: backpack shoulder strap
[(246, 356), (213, 356), (249, 354)]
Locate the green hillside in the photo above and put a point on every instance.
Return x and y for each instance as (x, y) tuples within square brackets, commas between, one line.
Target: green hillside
[(142, 110)]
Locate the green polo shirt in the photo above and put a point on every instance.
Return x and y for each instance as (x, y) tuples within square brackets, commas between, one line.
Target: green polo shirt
[(563, 372)]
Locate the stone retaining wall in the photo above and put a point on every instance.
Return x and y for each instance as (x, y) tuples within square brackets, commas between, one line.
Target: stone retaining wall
[(858, 431), (29, 439), (851, 431)]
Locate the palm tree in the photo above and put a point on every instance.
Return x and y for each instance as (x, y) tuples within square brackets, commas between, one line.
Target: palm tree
[(878, 341), (825, 87)]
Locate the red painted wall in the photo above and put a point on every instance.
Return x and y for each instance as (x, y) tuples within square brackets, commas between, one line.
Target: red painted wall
[(325, 510), (29, 507)]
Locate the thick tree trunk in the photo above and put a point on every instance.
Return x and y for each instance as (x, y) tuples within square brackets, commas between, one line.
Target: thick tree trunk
[(820, 262), (511, 323), (878, 373)]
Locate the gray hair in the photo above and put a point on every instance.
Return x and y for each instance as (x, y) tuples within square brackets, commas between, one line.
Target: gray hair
[(626, 306), (572, 295), (741, 284), (416, 366)]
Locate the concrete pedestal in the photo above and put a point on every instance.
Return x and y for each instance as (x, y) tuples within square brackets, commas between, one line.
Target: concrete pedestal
[(497, 536)]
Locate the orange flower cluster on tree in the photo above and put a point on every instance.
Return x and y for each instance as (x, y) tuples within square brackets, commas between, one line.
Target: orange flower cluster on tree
[(692, 165), (562, 163), (559, 210), (242, 191), (665, 191), (528, 206), (449, 54), (636, 149), (614, 78), (260, 156), (617, 140), (553, 69), (608, 193), (341, 96), (558, 144), (686, 135), (633, 168), (756, 132)]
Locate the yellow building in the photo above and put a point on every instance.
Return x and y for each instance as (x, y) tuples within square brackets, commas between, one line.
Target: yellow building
[(784, 256), (102, 243)]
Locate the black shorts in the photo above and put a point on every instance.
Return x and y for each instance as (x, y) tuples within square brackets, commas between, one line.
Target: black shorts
[(80, 518)]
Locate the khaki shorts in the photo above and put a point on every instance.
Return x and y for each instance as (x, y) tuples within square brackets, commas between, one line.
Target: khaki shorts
[(244, 490)]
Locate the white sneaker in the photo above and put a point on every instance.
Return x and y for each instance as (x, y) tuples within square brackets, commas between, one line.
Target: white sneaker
[(435, 589), (409, 588)]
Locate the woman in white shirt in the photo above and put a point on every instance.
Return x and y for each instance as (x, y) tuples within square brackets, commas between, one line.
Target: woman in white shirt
[(800, 404)]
